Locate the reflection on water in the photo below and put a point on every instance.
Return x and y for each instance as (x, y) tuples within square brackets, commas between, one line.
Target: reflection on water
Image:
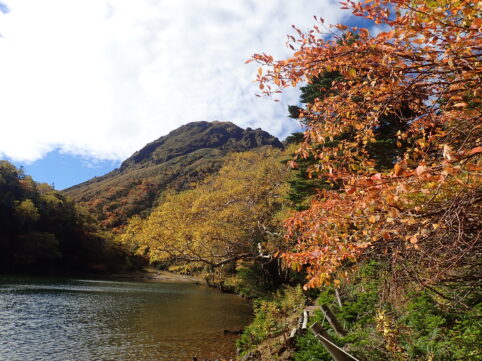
[(53, 319)]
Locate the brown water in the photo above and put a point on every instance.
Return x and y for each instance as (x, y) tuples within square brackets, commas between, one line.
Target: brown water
[(74, 319)]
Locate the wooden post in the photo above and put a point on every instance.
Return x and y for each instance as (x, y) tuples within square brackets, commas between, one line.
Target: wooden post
[(293, 332), (337, 327), (336, 352), (304, 325), (338, 298)]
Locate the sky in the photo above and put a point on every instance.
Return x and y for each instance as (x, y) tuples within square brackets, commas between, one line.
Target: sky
[(85, 83)]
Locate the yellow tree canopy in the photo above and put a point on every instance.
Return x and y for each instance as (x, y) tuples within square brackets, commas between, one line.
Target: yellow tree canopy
[(227, 217)]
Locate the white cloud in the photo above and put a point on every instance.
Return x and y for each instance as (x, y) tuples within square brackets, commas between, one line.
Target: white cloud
[(102, 78)]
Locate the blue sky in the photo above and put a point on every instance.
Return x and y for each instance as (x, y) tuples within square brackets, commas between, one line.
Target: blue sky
[(87, 83), (3, 8), (65, 170)]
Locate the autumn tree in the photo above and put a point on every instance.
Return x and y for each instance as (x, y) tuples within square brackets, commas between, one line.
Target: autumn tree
[(26, 212), (422, 75), (228, 217)]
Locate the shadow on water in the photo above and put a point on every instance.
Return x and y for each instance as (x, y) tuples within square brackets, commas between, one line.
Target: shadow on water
[(73, 319)]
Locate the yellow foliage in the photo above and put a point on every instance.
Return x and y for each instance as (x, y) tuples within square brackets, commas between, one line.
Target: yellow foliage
[(27, 212), (227, 217)]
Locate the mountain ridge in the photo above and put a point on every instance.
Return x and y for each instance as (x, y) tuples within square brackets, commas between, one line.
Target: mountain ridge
[(174, 161)]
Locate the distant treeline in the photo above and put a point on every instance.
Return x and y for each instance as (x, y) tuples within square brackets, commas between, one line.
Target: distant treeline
[(42, 230)]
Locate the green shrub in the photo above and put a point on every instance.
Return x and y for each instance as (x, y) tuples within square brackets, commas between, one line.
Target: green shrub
[(422, 328), (272, 317), (440, 333)]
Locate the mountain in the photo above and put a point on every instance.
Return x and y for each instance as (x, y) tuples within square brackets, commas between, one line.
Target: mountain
[(175, 161)]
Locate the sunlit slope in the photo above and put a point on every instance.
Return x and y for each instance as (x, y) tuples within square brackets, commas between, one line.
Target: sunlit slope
[(175, 161)]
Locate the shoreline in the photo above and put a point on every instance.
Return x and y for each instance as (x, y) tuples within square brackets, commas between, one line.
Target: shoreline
[(155, 276), (147, 275)]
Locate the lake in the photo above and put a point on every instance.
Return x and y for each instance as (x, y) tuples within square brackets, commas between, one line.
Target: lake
[(77, 319)]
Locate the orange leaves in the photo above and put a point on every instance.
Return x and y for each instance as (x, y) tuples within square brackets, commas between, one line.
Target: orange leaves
[(421, 169), (474, 151), (413, 239), (399, 168), (476, 23), (376, 177), (412, 91)]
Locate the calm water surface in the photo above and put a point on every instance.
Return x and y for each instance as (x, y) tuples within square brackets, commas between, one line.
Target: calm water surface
[(73, 319)]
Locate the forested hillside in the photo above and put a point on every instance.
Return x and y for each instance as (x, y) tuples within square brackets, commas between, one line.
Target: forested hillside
[(175, 161), (42, 230)]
